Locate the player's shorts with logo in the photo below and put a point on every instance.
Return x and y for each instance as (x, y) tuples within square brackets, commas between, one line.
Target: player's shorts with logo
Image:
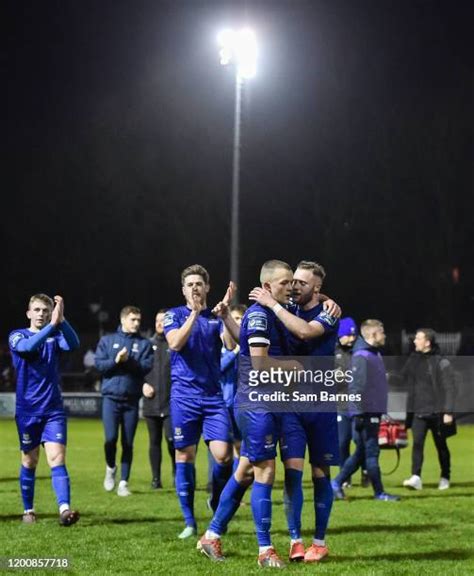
[(260, 434), (194, 416), (35, 430), (317, 430)]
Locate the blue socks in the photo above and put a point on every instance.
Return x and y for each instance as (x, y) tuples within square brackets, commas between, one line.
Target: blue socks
[(261, 502), (185, 482), (293, 501), (61, 487), (323, 499), (27, 486), (229, 503), (220, 475)]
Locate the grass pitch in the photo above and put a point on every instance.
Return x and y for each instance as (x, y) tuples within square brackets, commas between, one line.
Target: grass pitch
[(428, 532)]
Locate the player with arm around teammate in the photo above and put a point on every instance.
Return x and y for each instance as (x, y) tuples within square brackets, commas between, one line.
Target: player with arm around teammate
[(314, 333), (262, 339), (40, 416)]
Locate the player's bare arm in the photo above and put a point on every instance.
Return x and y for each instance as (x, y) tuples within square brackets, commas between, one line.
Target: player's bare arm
[(297, 326)]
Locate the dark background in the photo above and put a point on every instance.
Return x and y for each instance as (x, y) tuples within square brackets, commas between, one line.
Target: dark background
[(357, 149)]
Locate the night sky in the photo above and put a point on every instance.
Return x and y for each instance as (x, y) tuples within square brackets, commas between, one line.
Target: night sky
[(357, 150)]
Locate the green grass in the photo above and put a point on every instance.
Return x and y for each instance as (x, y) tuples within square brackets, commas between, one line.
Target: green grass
[(428, 532)]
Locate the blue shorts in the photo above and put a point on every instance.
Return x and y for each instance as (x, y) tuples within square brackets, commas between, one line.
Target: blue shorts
[(191, 417), (260, 434), (34, 430), (235, 429), (317, 430)]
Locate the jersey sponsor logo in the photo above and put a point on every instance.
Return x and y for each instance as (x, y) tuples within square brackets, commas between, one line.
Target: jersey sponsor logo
[(116, 345), (169, 319), (15, 338), (257, 321), (327, 318)]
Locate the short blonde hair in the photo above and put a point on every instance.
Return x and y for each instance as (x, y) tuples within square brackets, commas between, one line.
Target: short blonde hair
[(314, 267), (42, 298), (368, 327), (270, 266)]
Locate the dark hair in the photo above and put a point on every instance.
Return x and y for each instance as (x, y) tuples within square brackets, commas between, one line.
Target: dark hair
[(195, 269), (430, 335), (126, 310)]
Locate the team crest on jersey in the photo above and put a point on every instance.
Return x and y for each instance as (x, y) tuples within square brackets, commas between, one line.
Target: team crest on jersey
[(169, 319), (269, 441), (26, 439), (15, 338), (59, 436), (135, 347), (49, 339), (116, 345), (257, 321), (178, 433), (328, 457)]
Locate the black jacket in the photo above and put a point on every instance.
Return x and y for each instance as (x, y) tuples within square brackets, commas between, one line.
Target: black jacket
[(123, 381), (430, 384), (160, 379)]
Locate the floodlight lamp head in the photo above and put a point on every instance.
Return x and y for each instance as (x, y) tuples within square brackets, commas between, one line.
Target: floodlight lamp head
[(241, 49)]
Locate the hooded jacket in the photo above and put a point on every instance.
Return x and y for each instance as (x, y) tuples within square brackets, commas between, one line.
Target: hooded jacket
[(369, 379), (123, 381)]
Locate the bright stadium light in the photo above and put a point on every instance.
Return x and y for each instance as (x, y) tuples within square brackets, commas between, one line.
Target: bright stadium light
[(237, 48)]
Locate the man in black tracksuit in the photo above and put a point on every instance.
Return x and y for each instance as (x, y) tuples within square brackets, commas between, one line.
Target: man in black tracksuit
[(156, 402), (430, 382)]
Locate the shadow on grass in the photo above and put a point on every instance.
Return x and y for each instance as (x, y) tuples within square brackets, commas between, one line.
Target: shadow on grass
[(413, 496), (141, 520), (453, 485), (10, 517), (364, 529), (15, 479), (438, 555)]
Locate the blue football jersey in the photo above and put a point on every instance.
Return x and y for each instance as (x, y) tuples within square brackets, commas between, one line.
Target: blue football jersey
[(195, 369), (260, 326), (38, 390), (326, 343)]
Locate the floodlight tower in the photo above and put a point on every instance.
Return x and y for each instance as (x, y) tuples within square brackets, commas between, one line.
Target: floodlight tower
[(240, 49)]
